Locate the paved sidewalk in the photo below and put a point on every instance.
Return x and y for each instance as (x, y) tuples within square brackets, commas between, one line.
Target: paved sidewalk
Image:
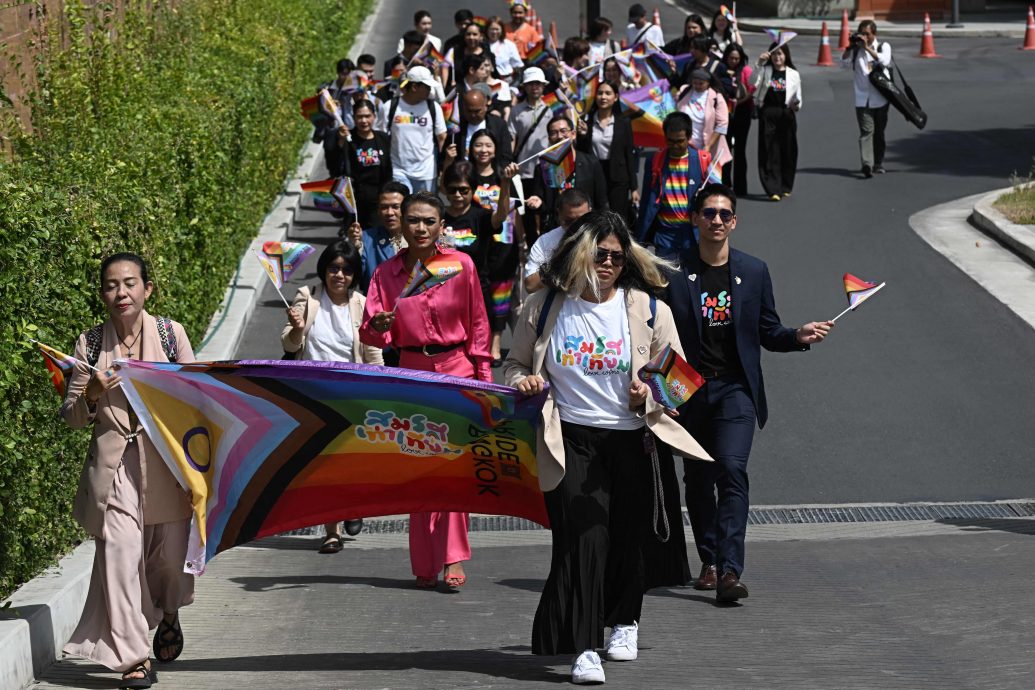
[(850, 606)]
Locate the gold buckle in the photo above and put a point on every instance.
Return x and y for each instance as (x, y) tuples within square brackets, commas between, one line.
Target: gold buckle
[(424, 349)]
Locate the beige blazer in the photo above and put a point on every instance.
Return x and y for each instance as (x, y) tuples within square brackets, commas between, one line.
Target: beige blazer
[(163, 499), (364, 354), (528, 355)]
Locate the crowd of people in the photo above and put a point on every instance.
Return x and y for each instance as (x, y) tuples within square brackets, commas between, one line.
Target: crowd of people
[(583, 260)]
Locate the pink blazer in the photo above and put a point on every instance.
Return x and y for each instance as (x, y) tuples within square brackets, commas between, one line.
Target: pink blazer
[(716, 114), (163, 499)]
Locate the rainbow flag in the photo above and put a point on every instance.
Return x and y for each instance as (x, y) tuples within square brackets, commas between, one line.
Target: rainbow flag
[(289, 255), (586, 90), (559, 165), (483, 22), (329, 107), (269, 446), (322, 192), (59, 365), (273, 270), (311, 110), (671, 379), (426, 275), (647, 130), (543, 49), (345, 195), (557, 102), (779, 37), (429, 57), (357, 80), (859, 290), (654, 98)]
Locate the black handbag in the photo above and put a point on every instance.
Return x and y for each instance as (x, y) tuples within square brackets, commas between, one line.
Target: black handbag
[(904, 100)]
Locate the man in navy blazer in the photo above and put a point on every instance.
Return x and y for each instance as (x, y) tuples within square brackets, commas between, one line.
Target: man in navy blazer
[(722, 302)]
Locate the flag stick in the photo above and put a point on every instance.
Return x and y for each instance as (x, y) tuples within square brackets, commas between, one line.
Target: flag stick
[(549, 148), (519, 187), (286, 303), (854, 306)]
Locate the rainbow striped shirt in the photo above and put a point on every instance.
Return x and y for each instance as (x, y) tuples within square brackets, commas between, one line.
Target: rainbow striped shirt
[(675, 194)]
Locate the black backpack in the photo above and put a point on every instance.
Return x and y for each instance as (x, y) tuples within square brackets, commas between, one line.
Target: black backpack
[(95, 335)]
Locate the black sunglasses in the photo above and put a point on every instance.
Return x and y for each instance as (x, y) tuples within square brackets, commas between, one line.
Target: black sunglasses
[(724, 214), (617, 257)]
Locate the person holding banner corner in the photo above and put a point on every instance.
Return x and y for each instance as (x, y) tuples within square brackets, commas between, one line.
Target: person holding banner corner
[(127, 499)]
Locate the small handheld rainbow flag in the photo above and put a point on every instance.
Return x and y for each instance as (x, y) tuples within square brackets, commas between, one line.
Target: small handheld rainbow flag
[(671, 378), (725, 11), (436, 271), (329, 107), (559, 165), (322, 194), (311, 110), (858, 291), (779, 37), (59, 365), (289, 255), (344, 194)]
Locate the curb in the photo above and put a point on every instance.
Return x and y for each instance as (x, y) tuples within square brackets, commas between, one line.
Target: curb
[(43, 614), (1018, 238)]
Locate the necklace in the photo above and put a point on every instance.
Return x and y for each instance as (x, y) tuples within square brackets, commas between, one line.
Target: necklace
[(129, 346)]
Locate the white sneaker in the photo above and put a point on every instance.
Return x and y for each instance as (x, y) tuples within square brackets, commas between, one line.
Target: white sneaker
[(621, 646), (587, 668)]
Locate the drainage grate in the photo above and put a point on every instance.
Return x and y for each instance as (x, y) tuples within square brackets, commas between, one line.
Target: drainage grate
[(903, 512)]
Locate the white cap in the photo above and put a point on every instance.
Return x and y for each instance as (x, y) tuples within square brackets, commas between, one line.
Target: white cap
[(532, 74), (419, 75)]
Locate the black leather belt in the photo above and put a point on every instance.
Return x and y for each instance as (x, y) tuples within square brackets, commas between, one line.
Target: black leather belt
[(432, 350), (709, 374)]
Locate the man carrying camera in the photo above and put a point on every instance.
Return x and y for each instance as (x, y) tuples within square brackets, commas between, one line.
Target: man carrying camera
[(864, 54)]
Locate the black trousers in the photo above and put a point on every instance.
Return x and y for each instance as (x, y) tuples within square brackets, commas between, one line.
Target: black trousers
[(605, 551), (777, 149), (617, 192), (737, 139)]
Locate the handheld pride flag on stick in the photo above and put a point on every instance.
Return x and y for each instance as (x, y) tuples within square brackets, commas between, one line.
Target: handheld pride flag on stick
[(671, 379), (858, 291), (548, 149), (59, 365), (273, 272), (344, 194), (780, 37), (436, 271), (290, 255), (559, 165)]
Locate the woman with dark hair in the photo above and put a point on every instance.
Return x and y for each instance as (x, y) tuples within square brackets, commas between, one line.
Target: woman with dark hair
[(444, 330), (502, 255), (601, 45), (127, 499), (323, 325), (367, 160), (723, 31), (575, 52), (470, 228), (477, 69), (736, 60), (693, 26), (609, 137), (508, 59), (473, 43), (778, 100), (614, 73), (603, 454)]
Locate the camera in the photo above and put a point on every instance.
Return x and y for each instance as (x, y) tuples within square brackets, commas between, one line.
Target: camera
[(858, 40)]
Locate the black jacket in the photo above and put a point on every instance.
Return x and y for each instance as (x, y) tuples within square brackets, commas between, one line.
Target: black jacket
[(622, 163)]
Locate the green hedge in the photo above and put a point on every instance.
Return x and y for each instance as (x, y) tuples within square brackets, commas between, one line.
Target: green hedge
[(168, 132)]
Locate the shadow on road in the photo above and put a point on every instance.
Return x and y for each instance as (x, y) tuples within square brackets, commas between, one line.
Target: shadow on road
[(975, 153), (271, 584), (1014, 525)]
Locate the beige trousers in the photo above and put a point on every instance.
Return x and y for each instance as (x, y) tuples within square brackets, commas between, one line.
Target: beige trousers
[(137, 576)]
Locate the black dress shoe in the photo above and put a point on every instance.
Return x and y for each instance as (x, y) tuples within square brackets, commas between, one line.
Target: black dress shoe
[(879, 170), (867, 172), (353, 527), (707, 579), (730, 588)]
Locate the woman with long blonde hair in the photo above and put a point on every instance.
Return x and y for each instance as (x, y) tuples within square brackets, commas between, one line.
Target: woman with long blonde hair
[(605, 465)]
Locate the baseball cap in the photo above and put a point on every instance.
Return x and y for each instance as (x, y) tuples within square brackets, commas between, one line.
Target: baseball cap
[(419, 75)]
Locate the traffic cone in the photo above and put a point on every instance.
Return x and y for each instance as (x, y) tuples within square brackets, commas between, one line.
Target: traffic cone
[(842, 40), (927, 41), (657, 18), (1029, 32), (825, 59)]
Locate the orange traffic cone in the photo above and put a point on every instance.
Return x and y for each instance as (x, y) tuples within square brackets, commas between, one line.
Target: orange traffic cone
[(927, 41), (842, 40), (825, 59), (657, 18), (1029, 32)]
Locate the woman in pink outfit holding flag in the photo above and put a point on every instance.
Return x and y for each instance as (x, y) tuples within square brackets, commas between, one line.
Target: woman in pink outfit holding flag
[(440, 326)]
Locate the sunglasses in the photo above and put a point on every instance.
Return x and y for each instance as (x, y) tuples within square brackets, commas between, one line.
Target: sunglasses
[(459, 190), (724, 214), (346, 270), (602, 255)]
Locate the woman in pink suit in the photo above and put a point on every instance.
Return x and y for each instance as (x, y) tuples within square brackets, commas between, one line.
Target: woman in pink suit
[(127, 498), (444, 330)]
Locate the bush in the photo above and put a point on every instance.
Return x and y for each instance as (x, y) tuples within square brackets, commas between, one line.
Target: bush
[(167, 132)]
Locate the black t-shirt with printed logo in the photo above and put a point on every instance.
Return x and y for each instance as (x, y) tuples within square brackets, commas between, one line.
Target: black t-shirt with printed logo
[(470, 233), (718, 340), (777, 93), (367, 158)]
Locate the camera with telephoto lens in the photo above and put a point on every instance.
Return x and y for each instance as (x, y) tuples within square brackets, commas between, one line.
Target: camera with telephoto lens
[(858, 40)]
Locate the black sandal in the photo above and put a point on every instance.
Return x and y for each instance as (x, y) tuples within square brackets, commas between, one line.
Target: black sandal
[(164, 641), (332, 544), (149, 679)]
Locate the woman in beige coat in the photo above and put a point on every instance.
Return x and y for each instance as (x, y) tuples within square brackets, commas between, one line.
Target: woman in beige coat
[(603, 443), (323, 325), (127, 498)]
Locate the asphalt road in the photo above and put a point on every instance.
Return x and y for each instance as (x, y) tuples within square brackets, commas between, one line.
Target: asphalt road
[(928, 391)]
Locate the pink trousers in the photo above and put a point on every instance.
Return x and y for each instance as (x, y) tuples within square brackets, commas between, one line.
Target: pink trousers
[(437, 539), (137, 576)]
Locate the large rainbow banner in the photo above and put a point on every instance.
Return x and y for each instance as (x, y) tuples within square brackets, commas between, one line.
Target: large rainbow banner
[(270, 446)]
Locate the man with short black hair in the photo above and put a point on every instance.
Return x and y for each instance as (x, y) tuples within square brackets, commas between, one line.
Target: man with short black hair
[(722, 303), (640, 30), (461, 18), (411, 43), (572, 204), (368, 64), (865, 54)]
